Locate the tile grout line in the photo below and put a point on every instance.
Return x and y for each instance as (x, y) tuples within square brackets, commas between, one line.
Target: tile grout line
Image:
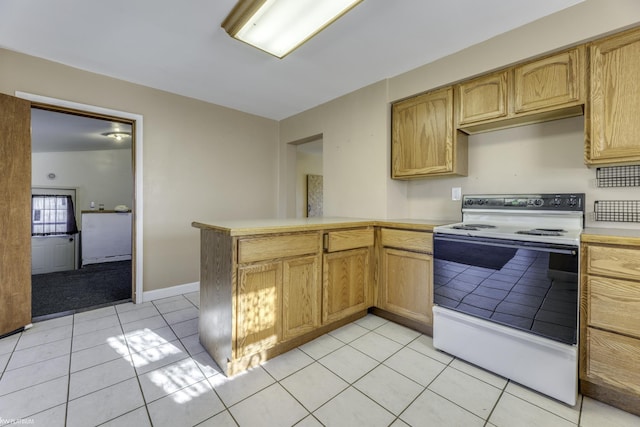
[(495, 405), (66, 404)]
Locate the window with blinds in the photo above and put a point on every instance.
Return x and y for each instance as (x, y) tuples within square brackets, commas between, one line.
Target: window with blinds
[(52, 215)]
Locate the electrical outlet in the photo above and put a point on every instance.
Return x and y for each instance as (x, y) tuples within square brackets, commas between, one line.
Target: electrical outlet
[(456, 193)]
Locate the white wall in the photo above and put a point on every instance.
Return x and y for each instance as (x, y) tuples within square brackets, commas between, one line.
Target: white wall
[(101, 176)]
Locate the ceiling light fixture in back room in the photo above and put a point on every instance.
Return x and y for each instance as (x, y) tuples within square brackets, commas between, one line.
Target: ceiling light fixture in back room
[(280, 26), (117, 135)]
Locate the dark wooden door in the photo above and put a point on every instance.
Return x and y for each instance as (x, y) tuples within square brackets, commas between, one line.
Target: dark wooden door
[(15, 213)]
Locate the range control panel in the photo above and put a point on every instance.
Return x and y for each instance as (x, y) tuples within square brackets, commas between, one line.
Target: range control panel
[(560, 202)]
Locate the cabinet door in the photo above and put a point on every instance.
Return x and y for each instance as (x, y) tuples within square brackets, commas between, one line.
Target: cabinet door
[(613, 126), (258, 307), (406, 284), (300, 296), (482, 99), (422, 135), (551, 82), (346, 276)]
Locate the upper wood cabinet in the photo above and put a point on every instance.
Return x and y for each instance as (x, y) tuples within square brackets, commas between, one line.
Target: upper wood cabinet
[(548, 88), (423, 141), (483, 98), (556, 80), (612, 125)]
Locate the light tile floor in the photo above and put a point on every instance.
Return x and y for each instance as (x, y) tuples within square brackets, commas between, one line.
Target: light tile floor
[(137, 365)]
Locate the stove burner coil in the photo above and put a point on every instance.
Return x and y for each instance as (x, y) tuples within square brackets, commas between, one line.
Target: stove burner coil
[(543, 232), (472, 226)]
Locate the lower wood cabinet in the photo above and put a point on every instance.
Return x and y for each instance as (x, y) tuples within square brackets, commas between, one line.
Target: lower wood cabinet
[(405, 283), (613, 359), (258, 320), (346, 277), (300, 296), (277, 301), (277, 290), (610, 324), (346, 273), (264, 294)]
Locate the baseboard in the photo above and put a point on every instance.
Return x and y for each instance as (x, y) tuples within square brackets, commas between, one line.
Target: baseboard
[(171, 291)]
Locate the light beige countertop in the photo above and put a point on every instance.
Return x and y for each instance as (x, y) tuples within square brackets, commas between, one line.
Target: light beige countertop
[(614, 236), (286, 225)]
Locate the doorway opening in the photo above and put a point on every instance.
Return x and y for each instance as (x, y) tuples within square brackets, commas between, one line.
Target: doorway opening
[(99, 160), (308, 177)]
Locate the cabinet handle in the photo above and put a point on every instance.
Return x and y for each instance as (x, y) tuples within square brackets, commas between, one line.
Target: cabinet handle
[(325, 241)]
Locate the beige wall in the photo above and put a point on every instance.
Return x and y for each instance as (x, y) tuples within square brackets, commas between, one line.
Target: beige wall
[(201, 161), (356, 164), (538, 158)]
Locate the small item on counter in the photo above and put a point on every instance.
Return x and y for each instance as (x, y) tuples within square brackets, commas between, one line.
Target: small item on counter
[(101, 207), (121, 208), (92, 205)]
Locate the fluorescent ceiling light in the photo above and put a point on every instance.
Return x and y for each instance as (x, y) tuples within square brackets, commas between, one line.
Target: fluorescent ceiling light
[(280, 26)]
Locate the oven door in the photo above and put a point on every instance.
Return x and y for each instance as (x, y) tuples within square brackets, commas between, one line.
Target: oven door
[(528, 286)]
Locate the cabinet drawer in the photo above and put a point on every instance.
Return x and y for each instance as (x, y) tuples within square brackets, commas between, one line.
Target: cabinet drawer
[(409, 240), (614, 304), (617, 262), (271, 247), (349, 239), (613, 359)]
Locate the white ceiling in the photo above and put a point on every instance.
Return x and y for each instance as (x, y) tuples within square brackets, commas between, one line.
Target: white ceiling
[(53, 131), (179, 47)]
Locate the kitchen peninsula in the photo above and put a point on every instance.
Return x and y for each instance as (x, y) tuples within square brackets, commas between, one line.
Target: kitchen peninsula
[(267, 286)]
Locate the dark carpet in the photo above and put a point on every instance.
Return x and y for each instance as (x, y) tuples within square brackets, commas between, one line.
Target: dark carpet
[(492, 257), (91, 286)]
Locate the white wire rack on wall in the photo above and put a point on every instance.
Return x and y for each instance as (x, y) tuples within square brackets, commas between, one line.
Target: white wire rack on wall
[(617, 210), (618, 176)]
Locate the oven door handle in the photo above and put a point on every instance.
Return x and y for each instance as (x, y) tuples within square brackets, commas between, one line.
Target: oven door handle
[(543, 247)]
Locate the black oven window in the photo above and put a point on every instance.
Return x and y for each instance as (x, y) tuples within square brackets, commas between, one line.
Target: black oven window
[(532, 290)]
